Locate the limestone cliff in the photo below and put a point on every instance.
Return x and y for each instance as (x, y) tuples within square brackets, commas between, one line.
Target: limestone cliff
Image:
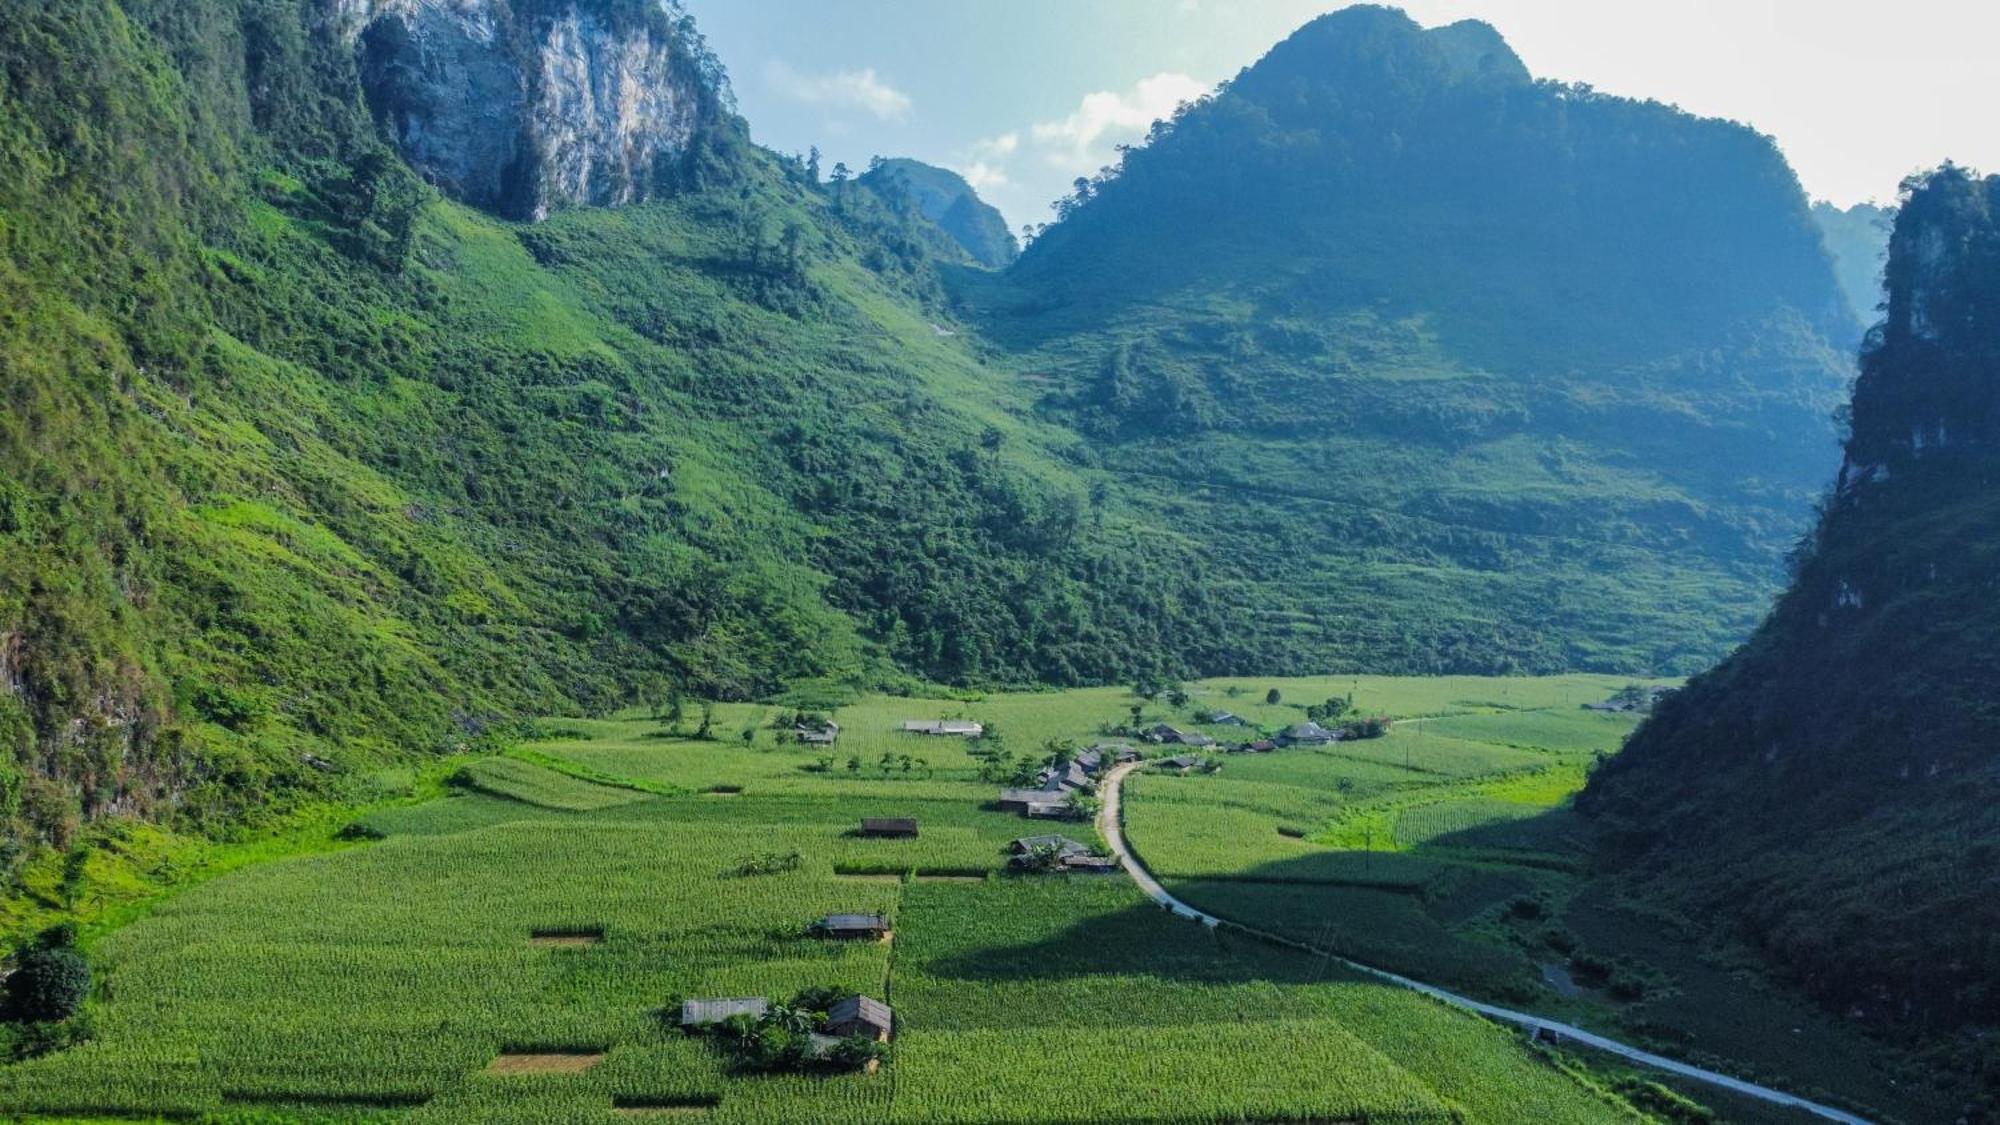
[(1832, 791), (526, 108)]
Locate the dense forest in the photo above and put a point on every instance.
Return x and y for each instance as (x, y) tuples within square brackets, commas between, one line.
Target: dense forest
[(1829, 792), (306, 463)]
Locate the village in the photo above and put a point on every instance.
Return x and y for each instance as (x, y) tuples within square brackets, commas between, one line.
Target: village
[(823, 1031)]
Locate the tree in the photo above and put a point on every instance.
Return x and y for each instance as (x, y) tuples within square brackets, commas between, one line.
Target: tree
[(706, 732), (812, 165), (841, 174), (1273, 697), (48, 986), (1177, 697)]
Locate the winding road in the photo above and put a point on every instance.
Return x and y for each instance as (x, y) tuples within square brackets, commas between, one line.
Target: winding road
[(1111, 824)]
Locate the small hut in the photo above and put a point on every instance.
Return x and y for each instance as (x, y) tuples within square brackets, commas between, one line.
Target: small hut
[(872, 927), (861, 1015), (697, 1015), (889, 827)]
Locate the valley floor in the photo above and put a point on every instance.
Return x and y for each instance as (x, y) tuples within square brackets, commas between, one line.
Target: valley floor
[(384, 980)]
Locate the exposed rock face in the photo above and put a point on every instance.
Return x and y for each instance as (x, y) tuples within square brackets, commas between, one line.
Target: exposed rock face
[(529, 107)]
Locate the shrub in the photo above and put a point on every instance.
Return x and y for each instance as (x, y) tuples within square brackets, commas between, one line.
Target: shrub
[(360, 831), (49, 986)]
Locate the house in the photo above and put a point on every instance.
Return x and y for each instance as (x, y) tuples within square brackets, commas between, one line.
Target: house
[(944, 728), (1028, 845), (824, 733), (1115, 752), (850, 926), (1090, 864), (1307, 734), (1177, 737), (861, 1015), (1070, 778), (699, 1014), (1226, 719), (1057, 806), (1181, 762), (889, 827), (1022, 800), (1261, 746)]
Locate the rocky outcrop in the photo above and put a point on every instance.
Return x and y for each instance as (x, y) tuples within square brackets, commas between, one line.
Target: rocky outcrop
[(529, 107)]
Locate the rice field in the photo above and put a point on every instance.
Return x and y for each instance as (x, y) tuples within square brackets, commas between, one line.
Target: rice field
[(382, 981)]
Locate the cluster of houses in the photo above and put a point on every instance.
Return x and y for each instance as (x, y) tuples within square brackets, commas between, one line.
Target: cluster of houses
[(1298, 734), (1052, 796)]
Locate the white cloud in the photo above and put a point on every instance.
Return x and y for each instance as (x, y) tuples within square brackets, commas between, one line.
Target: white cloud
[(1085, 140), (1027, 166), (847, 89), (984, 177)]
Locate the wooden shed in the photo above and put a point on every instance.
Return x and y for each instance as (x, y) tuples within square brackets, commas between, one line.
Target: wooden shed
[(699, 1014), (889, 827), (861, 1015), (852, 926)]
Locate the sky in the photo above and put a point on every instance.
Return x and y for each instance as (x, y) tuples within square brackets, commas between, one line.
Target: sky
[(1023, 96)]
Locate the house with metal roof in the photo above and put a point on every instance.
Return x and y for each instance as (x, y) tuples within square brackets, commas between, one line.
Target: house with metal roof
[(870, 926), (824, 734), (1028, 845), (944, 728), (861, 1015), (889, 827), (699, 1014), (1307, 734)]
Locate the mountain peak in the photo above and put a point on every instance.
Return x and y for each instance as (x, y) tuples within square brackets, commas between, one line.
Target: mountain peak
[(1367, 44)]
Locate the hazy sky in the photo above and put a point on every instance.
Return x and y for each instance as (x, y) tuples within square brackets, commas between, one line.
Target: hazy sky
[(1025, 95)]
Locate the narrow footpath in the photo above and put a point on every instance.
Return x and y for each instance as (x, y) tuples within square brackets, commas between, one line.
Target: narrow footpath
[(1111, 823)]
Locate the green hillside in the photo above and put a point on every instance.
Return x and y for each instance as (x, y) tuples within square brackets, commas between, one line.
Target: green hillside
[(306, 466), (303, 464), (946, 199), (1485, 372), (1828, 792)]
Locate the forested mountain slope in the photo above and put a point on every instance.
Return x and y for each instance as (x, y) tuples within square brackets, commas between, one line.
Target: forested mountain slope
[(1484, 372), (301, 463), (1858, 239), (1832, 791), (946, 199)]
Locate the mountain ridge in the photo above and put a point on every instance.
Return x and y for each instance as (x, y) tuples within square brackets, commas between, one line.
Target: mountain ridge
[(1825, 792)]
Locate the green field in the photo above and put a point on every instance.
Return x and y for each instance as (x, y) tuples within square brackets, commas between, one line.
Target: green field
[(1448, 851), (381, 979)]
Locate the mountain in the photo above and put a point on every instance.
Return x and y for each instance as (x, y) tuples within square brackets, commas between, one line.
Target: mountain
[(379, 373), (1831, 792), (1470, 370), (306, 467), (1858, 239), (947, 200)]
